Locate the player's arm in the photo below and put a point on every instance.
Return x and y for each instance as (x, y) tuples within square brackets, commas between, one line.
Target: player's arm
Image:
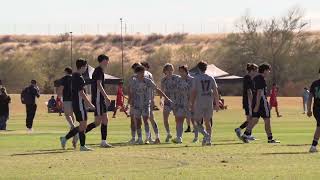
[(162, 89), (259, 95), (309, 105), (84, 96), (250, 97), (216, 98), (101, 89)]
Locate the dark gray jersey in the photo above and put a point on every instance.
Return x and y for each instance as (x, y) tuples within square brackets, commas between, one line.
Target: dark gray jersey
[(169, 86), (183, 92), (139, 89), (204, 85)]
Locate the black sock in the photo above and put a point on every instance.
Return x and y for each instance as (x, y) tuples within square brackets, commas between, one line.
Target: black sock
[(244, 125), (247, 132), (188, 127), (72, 132), (314, 143), (104, 132), (270, 137), (90, 127), (82, 138)]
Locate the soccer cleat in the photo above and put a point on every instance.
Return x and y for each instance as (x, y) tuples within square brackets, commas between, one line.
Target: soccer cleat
[(313, 149), (251, 138), (63, 142), (85, 148), (238, 132), (204, 141), (75, 141), (147, 141), (151, 140), (139, 141), (209, 143), (195, 140), (132, 141), (177, 140), (168, 138), (188, 130), (273, 141), (104, 144), (157, 141), (244, 139)]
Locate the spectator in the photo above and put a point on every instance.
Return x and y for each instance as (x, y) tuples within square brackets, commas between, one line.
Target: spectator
[(4, 108), (59, 105), (28, 97), (52, 103), (120, 102), (305, 97), (273, 99)]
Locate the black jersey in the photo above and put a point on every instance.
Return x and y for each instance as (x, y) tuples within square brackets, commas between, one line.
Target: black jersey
[(247, 85), (78, 84), (67, 91), (259, 83), (315, 91), (97, 75)]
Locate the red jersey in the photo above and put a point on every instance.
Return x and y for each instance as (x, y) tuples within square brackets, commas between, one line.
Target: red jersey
[(273, 97), (120, 98)]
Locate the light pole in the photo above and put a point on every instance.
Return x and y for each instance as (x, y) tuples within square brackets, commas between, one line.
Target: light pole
[(71, 49), (121, 48)]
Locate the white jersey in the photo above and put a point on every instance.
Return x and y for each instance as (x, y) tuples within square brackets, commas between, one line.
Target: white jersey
[(169, 86), (183, 92), (138, 88), (204, 85)]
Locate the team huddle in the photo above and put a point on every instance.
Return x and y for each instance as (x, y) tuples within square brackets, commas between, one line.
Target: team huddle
[(192, 98)]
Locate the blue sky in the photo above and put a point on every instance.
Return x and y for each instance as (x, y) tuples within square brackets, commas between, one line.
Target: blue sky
[(145, 16)]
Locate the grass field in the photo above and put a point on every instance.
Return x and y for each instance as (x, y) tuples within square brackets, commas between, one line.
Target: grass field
[(38, 155)]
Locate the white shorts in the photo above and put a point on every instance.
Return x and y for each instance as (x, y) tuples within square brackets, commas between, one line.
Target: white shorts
[(182, 112), (141, 112), (67, 107), (202, 113)]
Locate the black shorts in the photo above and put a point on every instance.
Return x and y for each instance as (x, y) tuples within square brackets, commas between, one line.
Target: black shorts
[(81, 116), (316, 114), (264, 110), (100, 105)]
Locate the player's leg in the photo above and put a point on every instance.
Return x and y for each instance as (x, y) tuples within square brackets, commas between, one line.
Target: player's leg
[(179, 129), (155, 127), (115, 112), (132, 127), (313, 148), (146, 128), (189, 125), (277, 111), (139, 131), (195, 131), (104, 131), (166, 113), (207, 118)]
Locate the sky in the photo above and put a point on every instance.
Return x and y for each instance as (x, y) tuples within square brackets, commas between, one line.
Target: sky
[(141, 16)]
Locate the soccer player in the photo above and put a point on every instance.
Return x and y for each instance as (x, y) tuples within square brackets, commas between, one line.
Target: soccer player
[(315, 96), (260, 105), (101, 100), (203, 95), (247, 97), (120, 101), (152, 119), (141, 100), (79, 100), (169, 87), (273, 99), (181, 105), (65, 91), (133, 125)]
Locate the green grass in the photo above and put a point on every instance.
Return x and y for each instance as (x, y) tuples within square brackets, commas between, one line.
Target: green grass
[(38, 155)]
